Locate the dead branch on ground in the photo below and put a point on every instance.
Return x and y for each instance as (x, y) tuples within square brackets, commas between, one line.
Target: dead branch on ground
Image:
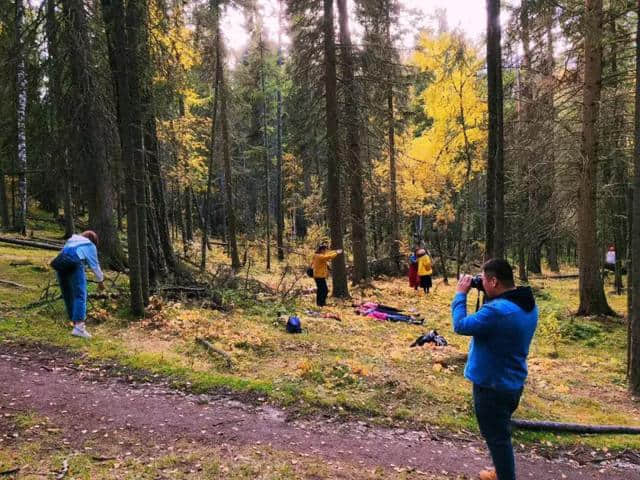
[(211, 349)]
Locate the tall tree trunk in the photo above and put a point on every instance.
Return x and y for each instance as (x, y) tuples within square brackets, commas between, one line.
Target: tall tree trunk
[(534, 259), (592, 298), (188, 214), (20, 224), (618, 173), (523, 109), (60, 133), (334, 207), (549, 122), (552, 255), (136, 23), (279, 185), (89, 123), (4, 207), (114, 15), (393, 181), (495, 161), (158, 199), (634, 271), (358, 215), (69, 226), (226, 155), (207, 198), (266, 160)]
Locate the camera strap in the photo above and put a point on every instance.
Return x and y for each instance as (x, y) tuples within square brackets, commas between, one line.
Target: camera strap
[(478, 301)]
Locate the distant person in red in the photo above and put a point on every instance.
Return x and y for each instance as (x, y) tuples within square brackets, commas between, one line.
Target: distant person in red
[(414, 280)]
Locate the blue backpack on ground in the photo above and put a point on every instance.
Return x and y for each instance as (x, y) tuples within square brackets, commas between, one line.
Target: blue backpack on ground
[(294, 325)]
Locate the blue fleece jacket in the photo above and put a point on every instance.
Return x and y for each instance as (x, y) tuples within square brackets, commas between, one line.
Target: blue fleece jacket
[(502, 331)]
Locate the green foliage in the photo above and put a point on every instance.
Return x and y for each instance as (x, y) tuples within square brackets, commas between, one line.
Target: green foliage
[(589, 333), (550, 329)]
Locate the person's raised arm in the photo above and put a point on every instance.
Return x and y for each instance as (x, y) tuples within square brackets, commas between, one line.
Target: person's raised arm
[(331, 254), (480, 323)]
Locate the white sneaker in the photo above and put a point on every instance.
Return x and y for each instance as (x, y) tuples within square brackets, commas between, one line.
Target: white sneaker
[(80, 331)]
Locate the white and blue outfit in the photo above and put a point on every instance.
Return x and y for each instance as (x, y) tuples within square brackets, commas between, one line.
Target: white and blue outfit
[(69, 266)]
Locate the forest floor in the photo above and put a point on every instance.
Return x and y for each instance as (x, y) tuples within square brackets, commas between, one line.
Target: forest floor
[(356, 377), (61, 412)]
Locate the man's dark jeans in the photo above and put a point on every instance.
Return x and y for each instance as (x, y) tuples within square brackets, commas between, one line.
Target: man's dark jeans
[(493, 410), (321, 292)]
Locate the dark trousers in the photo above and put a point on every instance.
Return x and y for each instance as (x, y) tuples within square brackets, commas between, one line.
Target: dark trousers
[(493, 411), (321, 292)]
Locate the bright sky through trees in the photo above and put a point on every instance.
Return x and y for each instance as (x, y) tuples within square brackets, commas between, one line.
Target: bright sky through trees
[(469, 15)]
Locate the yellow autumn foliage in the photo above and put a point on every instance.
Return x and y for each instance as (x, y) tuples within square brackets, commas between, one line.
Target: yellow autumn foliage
[(440, 161)]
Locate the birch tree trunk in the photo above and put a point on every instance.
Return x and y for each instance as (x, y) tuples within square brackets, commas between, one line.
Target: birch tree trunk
[(21, 117)]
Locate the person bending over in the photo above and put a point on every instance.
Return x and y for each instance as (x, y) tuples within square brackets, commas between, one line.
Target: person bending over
[(69, 267)]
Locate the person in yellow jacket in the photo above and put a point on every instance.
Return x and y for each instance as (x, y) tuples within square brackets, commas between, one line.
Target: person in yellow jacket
[(319, 263), (424, 269)]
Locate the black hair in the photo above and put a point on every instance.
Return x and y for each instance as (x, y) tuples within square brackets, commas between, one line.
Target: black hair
[(321, 247), (500, 269)]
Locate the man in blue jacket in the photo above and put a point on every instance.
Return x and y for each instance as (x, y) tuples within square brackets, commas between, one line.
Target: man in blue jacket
[(69, 267), (497, 365)]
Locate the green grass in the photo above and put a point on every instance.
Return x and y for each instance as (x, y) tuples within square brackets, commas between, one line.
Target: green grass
[(358, 366)]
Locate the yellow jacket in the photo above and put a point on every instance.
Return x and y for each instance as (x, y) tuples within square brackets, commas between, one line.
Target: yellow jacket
[(424, 265), (320, 261)]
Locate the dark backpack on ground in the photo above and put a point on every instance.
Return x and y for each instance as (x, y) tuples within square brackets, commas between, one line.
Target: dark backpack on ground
[(294, 325)]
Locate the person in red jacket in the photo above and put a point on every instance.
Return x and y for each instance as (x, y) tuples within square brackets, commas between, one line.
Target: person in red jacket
[(414, 281)]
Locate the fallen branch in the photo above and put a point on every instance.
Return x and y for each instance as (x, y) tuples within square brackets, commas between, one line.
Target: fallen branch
[(211, 349), (98, 458), (64, 471), (574, 427), (10, 472), (48, 241), (28, 243), (13, 284), (91, 296), (559, 277), (178, 288), (21, 263)]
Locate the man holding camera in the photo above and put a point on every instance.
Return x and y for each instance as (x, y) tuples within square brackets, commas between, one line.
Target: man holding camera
[(502, 330)]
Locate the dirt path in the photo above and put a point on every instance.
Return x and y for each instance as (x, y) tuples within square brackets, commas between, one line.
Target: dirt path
[(88, 405)]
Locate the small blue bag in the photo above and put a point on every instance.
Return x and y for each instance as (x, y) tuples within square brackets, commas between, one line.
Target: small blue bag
[(294, 325)]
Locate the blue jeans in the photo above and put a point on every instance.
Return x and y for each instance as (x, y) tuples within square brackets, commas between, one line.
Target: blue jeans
[(73, 285), (493, 411)]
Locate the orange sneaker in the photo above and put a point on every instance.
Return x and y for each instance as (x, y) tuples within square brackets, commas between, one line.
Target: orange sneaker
[(488, 475)]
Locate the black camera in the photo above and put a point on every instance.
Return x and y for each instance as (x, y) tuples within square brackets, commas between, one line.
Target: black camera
[(476, 282)]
